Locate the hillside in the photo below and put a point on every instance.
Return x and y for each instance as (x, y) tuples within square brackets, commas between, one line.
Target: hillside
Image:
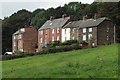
[(100, 62)]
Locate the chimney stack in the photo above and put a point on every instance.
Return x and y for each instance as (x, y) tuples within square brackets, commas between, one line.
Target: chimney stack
[(64, 15), (51, 18), (84, 18)]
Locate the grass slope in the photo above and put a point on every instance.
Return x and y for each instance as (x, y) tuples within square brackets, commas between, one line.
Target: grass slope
[(100, 62)]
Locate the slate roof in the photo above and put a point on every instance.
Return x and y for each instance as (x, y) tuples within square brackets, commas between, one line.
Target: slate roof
[(55, 23), (86, 23)]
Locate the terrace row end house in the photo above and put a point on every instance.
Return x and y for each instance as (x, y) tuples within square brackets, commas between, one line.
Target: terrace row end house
[(25, 40)]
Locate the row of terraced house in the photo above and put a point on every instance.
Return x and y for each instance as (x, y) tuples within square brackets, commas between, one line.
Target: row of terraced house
[(62, 29)]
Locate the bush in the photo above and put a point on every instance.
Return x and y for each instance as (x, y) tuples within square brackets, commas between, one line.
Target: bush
[(69, 42), (83, 42)]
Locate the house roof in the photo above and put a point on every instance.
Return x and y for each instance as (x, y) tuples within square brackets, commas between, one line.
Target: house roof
[(86, 23), (55, 23)]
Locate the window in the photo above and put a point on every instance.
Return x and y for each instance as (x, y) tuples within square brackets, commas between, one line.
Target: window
[(65, 31), (73, 30), (41, 32), (57, 38), (84, 30), (46, 31), (40, 40), (90, 29), (19, 36), (52, 31), (22, 30), (107, 37), (73, 37), (84, 37), (52, 38), (107, 29), (14, 37), (14, 44), (58, 30), (90, 35)]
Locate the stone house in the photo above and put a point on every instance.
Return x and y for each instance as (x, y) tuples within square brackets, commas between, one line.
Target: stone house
[(101, 30)]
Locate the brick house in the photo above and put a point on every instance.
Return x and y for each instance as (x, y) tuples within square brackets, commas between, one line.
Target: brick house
[(101, 30), (52, 30), (25, 40)]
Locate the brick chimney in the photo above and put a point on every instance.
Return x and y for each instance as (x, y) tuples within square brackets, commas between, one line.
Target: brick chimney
[(64, 15), (51, 18), (96, 15)]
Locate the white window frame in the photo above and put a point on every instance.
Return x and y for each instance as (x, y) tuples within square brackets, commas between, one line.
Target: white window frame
[(41, 40), (14, 44), (19, 36), (89, 36), (53, 31), (108, 29), (53, 38), (46, 31), (58, 30), (41, 32), (84, 37), (84, 30), (90, 29), (14, 37), (22, 30), (58, 38)]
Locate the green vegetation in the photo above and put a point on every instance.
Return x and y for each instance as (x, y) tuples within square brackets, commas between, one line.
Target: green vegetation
[(38, 17), (100, 62)]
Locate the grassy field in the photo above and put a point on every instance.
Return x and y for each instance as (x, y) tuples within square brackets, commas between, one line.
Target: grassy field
[(100, 62)]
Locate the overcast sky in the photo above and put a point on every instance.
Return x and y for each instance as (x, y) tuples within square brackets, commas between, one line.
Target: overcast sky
[(9, 7)]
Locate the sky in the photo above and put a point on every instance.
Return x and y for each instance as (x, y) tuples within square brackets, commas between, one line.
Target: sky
[(8, 7)]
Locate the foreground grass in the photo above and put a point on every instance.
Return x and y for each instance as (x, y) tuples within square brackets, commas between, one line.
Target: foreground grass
[(100, 62)]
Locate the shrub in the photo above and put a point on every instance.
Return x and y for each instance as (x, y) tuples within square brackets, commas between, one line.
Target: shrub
[(83, 42), (69, 42)]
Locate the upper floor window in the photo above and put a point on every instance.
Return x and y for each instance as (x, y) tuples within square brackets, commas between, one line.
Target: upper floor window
[(46, 32), (73, 30), (84, 30), (22, 30), (90, 29), (40, 40), (41, 32), (19, 36), (52, 31), (14, 37), (84, 37), (107, 29), (58, 30)]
